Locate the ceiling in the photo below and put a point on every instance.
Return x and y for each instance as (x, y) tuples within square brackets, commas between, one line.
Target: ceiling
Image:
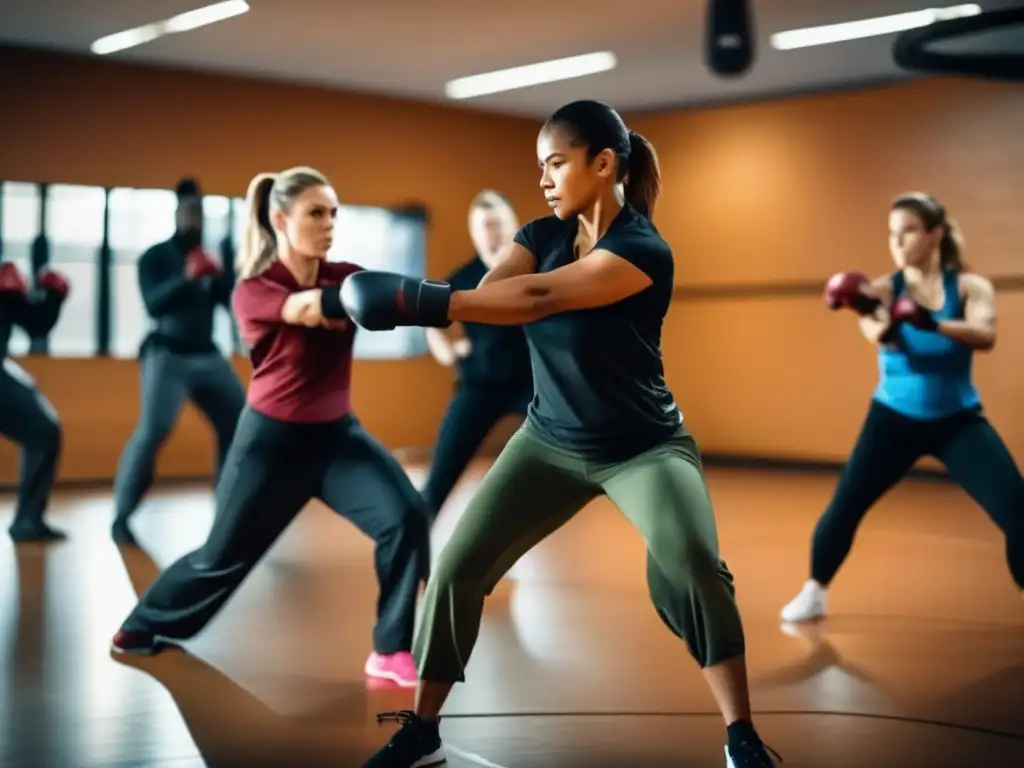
[(410, 48)]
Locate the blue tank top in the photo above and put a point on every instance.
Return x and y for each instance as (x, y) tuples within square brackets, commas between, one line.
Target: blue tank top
[(927, 376)]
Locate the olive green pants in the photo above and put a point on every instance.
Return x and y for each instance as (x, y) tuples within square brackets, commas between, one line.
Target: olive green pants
[(533, 489)]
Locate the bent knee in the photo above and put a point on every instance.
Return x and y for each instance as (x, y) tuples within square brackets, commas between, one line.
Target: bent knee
[(46, 436), (407, 519), (689, 564)]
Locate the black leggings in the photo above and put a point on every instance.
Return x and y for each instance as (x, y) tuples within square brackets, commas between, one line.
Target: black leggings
[(28, 419), (168, 381), (271, 471), (888, 446), (472, 413)]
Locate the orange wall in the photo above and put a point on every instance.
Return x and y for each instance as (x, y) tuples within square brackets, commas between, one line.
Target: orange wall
[(84, 121), (791, 191), (756, 195)]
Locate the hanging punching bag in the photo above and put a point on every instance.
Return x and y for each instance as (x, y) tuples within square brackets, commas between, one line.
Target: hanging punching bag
[(729, 38)]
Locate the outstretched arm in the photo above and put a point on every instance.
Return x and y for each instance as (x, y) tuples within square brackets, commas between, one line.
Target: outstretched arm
[(516, 261), (261, 304), (599, 279)]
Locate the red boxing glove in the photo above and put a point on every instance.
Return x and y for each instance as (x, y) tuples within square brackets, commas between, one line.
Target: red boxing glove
[(49, 280), (11, 281), (198, 264), (906, 310), (849, 290)]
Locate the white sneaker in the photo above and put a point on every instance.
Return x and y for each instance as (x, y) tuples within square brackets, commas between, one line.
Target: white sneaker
[(809, 604)]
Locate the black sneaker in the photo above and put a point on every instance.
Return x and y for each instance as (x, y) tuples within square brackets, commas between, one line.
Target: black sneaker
[(417, 744), (750, 753)]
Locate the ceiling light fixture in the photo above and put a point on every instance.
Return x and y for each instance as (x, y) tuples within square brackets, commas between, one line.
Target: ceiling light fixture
[(881, 25), (530, 75), (183, 22)]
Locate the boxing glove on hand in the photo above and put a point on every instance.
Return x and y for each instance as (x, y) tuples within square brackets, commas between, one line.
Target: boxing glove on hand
[(906, 310), (198, 264), (381, 301), (49, 280), (12, 284), (849, 290)]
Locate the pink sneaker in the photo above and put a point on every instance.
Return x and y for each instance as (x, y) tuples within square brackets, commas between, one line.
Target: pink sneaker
[(398, 667)]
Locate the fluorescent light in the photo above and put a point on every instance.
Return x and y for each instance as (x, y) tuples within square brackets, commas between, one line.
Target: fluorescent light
[(881, 25), (127, 39), (183, 22), (530, 74), (200, 17)]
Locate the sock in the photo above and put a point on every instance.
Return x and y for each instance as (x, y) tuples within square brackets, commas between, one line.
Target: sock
[(741, 731)]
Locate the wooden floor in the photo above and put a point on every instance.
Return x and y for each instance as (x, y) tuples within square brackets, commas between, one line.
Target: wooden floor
[(921, 664)]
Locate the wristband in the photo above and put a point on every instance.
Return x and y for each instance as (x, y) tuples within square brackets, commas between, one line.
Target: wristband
[(330, 303)]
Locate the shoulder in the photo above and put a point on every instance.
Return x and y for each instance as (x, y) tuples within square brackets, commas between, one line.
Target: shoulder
[(157, 251), (538, 234), (641, 244), (974, 285)]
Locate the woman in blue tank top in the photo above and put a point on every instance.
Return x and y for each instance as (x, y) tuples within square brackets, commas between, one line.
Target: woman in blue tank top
[(928, 318)]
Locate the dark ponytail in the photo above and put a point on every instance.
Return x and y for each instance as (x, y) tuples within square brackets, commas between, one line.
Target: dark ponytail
[(932, 215), (598, 127), (951, 248), (643, 175)]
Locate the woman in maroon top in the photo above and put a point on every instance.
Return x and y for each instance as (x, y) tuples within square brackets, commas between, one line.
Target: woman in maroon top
[(296, 438)]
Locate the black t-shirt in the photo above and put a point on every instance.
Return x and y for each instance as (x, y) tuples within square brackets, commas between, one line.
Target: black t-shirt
[(500, 357), (599, 383)]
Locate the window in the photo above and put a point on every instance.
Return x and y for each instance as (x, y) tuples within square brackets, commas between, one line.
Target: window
[(241, 220), (73, 219), (139, 218), (74, 227), (375, 238), (217, 228), (20, 215)]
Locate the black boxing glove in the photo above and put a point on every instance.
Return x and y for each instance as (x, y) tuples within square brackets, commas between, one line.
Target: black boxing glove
[(381, 301)]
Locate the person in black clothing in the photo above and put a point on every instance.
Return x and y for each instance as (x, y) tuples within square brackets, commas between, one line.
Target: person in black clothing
[(493, 361), (181, 287), (26, 416)]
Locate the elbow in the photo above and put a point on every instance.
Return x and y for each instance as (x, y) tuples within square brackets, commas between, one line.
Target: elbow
[(987, 343), (540, 304)]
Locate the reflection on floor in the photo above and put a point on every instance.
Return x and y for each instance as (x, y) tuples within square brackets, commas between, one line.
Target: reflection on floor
[(922, 662)]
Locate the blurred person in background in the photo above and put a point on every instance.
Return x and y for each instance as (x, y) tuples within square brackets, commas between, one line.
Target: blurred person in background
[(492, 361), (181, 286), (26, 417), (928, 317)]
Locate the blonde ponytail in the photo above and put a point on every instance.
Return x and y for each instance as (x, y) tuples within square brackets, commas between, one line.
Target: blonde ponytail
[(259, 245)]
